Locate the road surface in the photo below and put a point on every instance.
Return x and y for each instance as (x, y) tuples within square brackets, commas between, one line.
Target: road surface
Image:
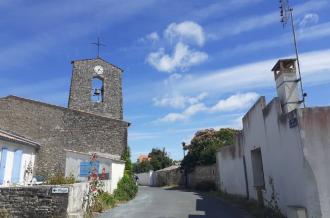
[(154, 202)]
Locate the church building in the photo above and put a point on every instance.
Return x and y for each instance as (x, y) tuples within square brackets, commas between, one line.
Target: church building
[(92, 122)]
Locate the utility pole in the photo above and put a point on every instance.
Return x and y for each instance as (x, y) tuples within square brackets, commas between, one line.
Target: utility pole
[(286, 15), (184, 148)]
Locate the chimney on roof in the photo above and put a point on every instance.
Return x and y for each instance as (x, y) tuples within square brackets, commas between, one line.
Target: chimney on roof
[(285, 74)]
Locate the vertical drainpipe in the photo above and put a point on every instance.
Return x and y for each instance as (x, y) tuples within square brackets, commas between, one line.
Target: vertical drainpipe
[(246, 179)]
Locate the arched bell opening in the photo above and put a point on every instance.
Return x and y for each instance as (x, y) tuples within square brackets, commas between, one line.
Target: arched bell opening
[(97, 89)]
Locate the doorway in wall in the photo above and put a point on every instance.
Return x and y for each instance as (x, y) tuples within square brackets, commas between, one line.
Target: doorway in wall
[(257, 168), (258, 173)]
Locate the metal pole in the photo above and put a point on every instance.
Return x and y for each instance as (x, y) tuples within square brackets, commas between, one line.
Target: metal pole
[(297, 56), (98, 47)]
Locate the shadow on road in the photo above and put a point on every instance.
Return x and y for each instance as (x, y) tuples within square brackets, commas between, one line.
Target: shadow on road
[(212, 207)]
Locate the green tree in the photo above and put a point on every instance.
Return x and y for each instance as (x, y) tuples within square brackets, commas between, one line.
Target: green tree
[(142, 167), (203, 147), (126, 156), (159, 159)]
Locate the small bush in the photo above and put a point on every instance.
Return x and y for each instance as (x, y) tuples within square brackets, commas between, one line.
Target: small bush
[(60, 179), (107, 200), (205, 186), (126, 188)]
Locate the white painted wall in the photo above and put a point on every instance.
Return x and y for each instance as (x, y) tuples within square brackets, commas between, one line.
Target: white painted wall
[(296, 159), (282, 155), (73, 160), (77, 194), (27, 157), (146, 179), (231, 169), (315, 135), (117, 170)]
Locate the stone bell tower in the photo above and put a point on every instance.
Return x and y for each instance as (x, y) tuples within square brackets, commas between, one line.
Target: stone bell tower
[(96, 87), (285, 74)]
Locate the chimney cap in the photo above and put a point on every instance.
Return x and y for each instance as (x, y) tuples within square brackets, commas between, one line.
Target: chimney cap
[(282, 62)]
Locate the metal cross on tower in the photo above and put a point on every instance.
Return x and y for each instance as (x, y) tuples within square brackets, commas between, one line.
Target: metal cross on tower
[(286, 15), (98, 44)]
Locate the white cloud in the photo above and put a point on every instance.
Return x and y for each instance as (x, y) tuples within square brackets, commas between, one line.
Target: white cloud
[(315, 68), (187, 31), (260, 21), (304, 34), (143, 135), (221, 9), (186, 114), (309, 19), (178, 101), (153, 37), (182, 58), (194, 109), (181, 37), (234, 102), (173, 117)]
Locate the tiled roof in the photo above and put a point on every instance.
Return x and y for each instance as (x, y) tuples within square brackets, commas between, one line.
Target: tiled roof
[(17, 138), (60, 107), (173, 167)]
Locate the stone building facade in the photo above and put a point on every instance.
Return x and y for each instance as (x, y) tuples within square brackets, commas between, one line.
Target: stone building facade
[(84, 126), (84, 72)]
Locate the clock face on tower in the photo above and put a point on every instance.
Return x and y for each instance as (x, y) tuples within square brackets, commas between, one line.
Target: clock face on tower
[(98, 69)]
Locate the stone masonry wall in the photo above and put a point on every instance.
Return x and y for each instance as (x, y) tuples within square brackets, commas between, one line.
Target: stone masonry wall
[(57, 128), (81, 88), (33, 202), (169, 177), (202, 174)]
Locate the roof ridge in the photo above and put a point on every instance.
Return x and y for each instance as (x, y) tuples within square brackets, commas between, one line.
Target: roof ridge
[(90, 59), (60, 107), (17, 137)]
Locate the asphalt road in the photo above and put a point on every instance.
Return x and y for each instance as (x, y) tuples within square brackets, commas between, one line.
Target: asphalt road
[(161, 203)]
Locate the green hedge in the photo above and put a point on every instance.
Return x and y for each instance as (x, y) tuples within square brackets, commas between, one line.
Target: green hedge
[(126, 190)]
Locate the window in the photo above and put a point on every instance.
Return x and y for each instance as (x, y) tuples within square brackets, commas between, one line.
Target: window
[(97, 90), (257, 168), (16, 171), (3, 161)]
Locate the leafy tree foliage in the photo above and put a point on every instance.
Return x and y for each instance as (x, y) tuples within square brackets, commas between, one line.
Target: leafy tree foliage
[(159, 159), (142, 167), (126, 156), (204, 145)]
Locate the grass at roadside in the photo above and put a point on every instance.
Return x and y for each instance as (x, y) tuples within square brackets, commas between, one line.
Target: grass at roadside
[(126, 190), (251, 206)]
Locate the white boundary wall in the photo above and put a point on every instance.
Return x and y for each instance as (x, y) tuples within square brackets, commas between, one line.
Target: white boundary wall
[(146, 179), (77, 193)]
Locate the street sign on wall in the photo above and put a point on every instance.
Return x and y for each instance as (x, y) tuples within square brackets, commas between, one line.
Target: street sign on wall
[(60, 190)]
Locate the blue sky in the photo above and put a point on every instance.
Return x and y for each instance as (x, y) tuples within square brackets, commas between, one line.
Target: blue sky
[(189, 65)]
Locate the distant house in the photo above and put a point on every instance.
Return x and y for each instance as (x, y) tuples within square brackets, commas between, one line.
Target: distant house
[(282, 155), (17, 156), (142, 158)]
